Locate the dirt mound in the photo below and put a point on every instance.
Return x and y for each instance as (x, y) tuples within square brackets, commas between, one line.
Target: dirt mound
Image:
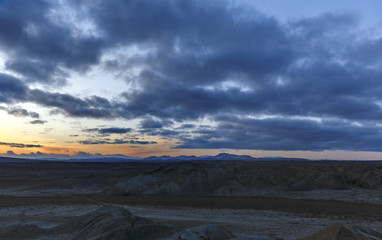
[(108, 222), (338, 231), (210, 232), (115, 223)]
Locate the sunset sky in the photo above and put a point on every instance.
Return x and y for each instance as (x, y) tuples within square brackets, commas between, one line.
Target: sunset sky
[(291, 78)]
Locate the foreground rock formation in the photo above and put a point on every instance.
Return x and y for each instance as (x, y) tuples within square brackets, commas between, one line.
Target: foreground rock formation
[(338, 231), (108, 222), (203, 232), (113, 223)]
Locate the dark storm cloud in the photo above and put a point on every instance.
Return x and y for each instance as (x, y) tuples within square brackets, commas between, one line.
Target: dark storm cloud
[(196, 42), (20, 145), (116, 141), (93, 107), (197, 46), (289, 69), (342, 94), (205, 59), (11, 89), (311, 81), (161, 132), (286, 134), (187, 126), (103, 131), (20, 112), (153, 123), (365, 54), (37, 71), (34, 40)]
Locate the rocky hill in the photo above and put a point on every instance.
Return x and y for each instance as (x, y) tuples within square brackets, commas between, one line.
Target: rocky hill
[(250, 179), (113, 223)]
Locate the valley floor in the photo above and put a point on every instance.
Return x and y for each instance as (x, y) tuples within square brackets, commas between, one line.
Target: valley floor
[(45, 195), (244, 217)]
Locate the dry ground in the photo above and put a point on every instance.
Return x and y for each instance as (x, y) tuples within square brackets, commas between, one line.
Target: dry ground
[(46, 194)]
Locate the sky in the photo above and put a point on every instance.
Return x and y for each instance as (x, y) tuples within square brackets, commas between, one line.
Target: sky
[(291, 78)]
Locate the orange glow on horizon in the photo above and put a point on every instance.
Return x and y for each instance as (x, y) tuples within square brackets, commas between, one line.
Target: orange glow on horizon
[(165, 148)]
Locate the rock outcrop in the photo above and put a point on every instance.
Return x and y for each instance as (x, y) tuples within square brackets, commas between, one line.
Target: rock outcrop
[(21, 232), (236, 179), (338, 231), (106, 223), (179, 179), (210, 232), (114, 223)]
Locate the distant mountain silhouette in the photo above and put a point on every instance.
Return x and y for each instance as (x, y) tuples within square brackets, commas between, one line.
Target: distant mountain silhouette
[(13, 159)]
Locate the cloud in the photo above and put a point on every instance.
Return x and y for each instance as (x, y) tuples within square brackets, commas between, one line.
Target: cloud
[(150, 123), (113, 130), (12, 89), (257, 69), (116, 141), (37, 71), (199, 61), (187, 126), (40, 44), (93, 107), (161, 132), (20, 145), (38, 122), (20, 112), (285, 134)]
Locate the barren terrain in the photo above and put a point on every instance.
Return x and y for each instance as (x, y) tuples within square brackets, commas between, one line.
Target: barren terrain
[(262, 200)]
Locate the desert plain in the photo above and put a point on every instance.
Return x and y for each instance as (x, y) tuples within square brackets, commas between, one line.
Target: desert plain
[(265, 199)]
